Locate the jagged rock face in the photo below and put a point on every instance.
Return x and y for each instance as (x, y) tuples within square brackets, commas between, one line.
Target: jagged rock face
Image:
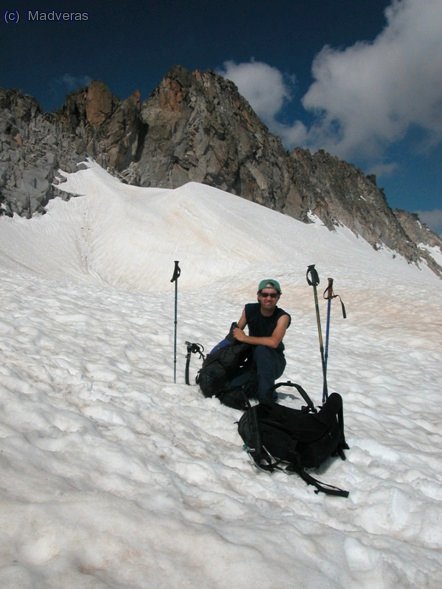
[(27, 152), (100, 103), (422, 236), (200, 129), (340, 194), (194, 127), (418, 231), (34, 145), (103, 127)]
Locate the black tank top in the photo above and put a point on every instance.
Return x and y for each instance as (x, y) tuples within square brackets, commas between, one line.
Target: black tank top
[(261, 326)]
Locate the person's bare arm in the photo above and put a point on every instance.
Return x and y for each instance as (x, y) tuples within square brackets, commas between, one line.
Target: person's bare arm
[(271, 341), (242, 320)]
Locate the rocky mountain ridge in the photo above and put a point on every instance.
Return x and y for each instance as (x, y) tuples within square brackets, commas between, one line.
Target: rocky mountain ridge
[(194, 127)]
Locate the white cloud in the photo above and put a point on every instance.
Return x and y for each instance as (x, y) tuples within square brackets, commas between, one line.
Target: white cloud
[(369, 95), (267, 90), (261, 84), (365, 97)]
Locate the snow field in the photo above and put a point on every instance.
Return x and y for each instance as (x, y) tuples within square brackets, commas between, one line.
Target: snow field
[(114, 476)]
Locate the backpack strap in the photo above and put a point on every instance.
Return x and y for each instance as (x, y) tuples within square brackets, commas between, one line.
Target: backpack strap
[(269, 464), (311, 408), (320, 487)]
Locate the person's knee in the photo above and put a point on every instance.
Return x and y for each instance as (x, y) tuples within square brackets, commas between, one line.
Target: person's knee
[(268, 361), (262, 353)]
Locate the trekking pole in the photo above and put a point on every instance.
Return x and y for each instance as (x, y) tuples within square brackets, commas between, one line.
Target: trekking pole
[(329, 295), (176, 275), (313, 280)]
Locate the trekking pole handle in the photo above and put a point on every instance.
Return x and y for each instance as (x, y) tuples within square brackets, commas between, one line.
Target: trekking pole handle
[(176, 272), (313, 280), (329, 295), (328, 292)]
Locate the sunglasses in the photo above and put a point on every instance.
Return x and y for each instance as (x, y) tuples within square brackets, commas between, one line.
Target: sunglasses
[(272, 295)]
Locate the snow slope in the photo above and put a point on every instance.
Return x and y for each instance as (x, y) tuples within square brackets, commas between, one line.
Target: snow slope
[(114, 476)]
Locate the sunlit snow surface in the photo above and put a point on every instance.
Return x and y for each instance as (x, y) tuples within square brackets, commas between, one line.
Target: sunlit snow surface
[(114, 476)]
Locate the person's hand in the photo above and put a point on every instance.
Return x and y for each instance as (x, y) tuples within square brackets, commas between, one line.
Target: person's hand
[(239, 334)]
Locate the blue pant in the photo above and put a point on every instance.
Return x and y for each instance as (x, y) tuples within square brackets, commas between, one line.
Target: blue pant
[(269, 364)]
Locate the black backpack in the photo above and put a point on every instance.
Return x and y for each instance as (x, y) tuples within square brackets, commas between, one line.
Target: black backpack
[(227, 373), (283, 438)]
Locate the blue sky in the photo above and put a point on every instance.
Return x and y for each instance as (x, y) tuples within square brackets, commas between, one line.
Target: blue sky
[(362, 80)]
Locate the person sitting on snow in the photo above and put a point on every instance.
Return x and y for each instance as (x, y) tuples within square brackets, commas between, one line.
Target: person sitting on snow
[(267, 324)]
